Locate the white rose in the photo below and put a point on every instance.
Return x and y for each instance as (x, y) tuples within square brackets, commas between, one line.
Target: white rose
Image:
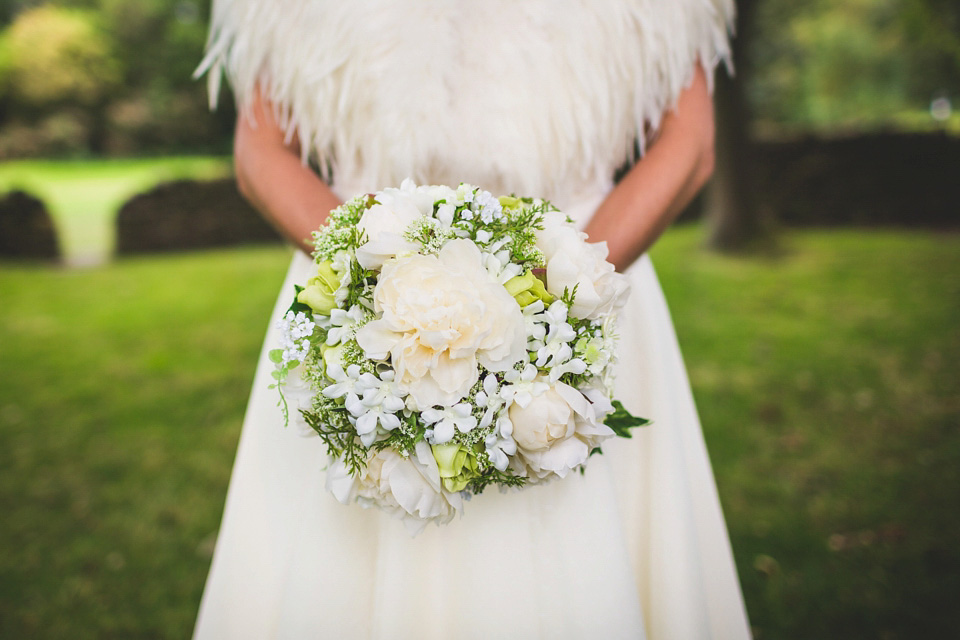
[(573, 262), (558, 429), (407, 488), (439, 317), (385, 224)]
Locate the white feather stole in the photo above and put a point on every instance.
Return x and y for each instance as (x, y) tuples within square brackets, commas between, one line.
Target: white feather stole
[(530, 96)]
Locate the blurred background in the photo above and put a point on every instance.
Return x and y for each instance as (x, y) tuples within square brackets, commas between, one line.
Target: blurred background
[(815, 288)]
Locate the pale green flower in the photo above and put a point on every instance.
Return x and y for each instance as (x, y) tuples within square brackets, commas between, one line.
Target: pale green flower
[(332, 357), (319, 292), (509, 202), (590, 349), (457, 463), (527, 289)]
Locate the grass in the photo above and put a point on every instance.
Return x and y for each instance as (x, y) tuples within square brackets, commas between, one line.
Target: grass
[(827, 383), (826, 380), (83, 197)]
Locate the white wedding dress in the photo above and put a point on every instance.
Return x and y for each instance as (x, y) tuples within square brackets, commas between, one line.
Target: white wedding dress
[(534, 97)]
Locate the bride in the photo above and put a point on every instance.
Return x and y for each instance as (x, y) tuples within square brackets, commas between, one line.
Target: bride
[(545, 98)]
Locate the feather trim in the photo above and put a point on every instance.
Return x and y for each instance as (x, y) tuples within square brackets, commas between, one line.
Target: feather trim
[(528, 96)]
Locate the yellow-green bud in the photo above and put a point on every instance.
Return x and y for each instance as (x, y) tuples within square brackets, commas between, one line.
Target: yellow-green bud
[(319, 292), (457, 464), (527, 289), (509, 202)]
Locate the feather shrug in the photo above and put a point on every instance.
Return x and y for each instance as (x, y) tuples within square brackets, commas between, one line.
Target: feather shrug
[(534, 97)]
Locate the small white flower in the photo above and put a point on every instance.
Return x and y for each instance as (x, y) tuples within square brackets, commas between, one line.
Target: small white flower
[(575, 366), (382, 392), (374, 401), (367, 424), (447, 420), (489, 399), (346, 384), (523, 386), (344, 324), (554, 348), (295, 329), (488, 207), (532, 321), (499, 266), (499, 449)]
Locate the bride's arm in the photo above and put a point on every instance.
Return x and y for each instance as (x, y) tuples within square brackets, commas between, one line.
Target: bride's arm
[(272, 178), (663, 182)]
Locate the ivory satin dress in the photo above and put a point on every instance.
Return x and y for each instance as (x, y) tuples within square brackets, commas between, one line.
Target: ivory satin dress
[(534, 97)]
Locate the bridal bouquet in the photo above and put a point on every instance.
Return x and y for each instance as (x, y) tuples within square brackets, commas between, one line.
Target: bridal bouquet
[(451, 340)]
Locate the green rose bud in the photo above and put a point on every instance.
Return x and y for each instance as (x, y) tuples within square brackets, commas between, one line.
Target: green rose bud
[(318, 294), (527, 289), (458, 465), (509, 202)]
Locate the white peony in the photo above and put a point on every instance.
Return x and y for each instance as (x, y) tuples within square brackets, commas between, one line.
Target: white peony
[(441, 316), (556, 431), (573, 262), (384, 224), (407, 488)]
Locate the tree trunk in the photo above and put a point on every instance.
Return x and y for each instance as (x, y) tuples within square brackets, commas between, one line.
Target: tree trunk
[(733, 220)]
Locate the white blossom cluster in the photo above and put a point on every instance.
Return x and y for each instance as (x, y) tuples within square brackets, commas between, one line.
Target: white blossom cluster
[(295, 331), (461, 340)]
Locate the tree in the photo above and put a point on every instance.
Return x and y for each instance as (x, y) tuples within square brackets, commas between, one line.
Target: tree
[(732, 217), (58, 58)]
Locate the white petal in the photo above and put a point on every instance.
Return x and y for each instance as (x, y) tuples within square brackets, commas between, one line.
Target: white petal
[(376, 339)]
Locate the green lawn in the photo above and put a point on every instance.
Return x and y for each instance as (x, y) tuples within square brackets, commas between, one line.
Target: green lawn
[(84, 196), (826, 380)]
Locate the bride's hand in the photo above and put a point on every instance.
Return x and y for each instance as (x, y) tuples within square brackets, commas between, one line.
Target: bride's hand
[(663, 182), (272, 178)]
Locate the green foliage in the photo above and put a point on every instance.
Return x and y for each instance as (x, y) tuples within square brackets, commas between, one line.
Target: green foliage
[(621, 420), (298, 307), (858, 63), (330, 420), (120, 406), (54, 56), (137, 64), (826, 383), (492, 476)]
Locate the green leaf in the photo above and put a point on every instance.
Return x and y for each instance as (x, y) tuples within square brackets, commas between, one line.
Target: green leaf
[(621, 420), (298, 306), (276, 355)]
